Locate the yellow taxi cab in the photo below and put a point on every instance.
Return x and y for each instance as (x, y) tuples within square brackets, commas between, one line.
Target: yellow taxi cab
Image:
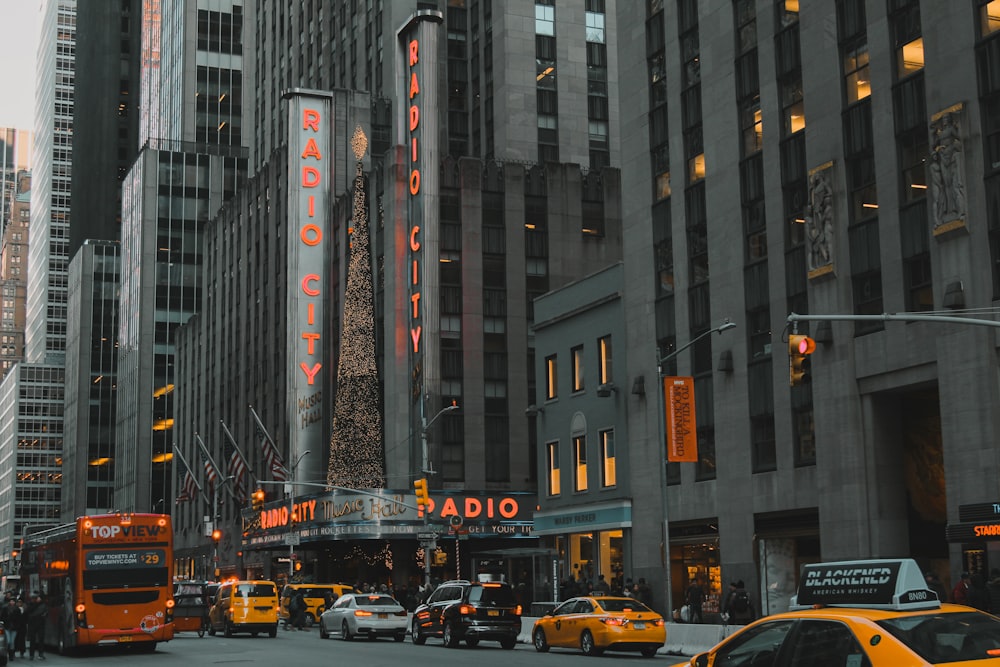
[(868, 613), (245, 606), (595, 624), (315, 596)]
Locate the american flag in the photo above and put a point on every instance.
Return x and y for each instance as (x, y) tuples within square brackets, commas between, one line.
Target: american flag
[(237, 470), (189, 488), (211, 473), (272, 457)]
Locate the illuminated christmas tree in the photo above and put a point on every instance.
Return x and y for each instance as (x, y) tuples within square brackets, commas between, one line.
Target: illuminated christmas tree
[(356, 458)]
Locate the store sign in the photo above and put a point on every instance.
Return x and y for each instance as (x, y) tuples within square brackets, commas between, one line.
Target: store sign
[(682, 427), (383, 513)]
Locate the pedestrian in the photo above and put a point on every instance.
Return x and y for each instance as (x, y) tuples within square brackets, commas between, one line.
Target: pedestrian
[(993, 587), (644, 592), (297, 609), (628, 589), (601, 587), (22, 627), (960, 593), (694, 598), (9, 617), (935, 584), (738, 608), (977, 595), (37, 612)]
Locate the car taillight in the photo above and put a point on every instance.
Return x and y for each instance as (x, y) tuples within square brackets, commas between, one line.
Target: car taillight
[(658, 622), (362, 612), (614, 620), (81, 615), (400, 613), (466, 610), (170, 603)]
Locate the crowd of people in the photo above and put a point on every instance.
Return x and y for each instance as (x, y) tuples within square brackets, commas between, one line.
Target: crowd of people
[(972, 589), (24, 625)]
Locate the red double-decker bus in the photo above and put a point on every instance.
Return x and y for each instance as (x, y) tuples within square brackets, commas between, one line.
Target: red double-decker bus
[(106, 579)]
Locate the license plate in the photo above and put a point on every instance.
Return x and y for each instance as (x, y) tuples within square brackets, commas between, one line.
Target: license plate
[(125, 638), (492, 612), (640, 626), (382, 616)]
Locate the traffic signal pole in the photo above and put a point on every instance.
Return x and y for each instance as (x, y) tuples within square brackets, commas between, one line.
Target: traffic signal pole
[(901, 317)]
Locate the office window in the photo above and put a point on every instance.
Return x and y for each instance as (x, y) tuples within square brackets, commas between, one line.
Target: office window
[(608, 475), (576, 358), (545, 20), (551, 377), (552, 465), (604, 359), (580, 463), (910, 57), (857, 80), (989, 17)]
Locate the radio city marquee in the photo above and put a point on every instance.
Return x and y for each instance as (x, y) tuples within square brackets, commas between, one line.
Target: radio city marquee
[(387, 514)]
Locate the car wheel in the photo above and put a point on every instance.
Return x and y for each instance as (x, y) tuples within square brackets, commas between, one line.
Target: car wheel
[(399, 637), (211, 630), (508, 643), (323, 634), (345, 632), (541, 643), (415, 636), (228, 630), (450, 638), (587, 644), (273, 632), (649, 651)]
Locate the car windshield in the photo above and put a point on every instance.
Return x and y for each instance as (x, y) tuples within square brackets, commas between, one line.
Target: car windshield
[(941, 637), (622, 605), (375, 601), (493, 596)]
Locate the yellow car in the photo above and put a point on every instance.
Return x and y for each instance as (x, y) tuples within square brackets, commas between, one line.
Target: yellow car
[(600, 623), (873, 613)]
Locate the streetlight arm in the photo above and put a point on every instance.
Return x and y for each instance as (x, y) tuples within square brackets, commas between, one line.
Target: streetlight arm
[(440, 412), (725, 326)]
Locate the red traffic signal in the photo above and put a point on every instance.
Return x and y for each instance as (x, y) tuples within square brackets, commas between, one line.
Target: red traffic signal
[(799, 349), (216, 535)]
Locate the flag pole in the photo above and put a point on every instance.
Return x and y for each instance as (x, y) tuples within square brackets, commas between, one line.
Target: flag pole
[(267, 435), (177, 451), (218, 471)]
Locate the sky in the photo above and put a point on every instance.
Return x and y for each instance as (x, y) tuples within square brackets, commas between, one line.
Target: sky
[(18, 39)]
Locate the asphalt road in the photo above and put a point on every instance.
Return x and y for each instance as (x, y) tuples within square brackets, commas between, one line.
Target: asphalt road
[(306, 649)]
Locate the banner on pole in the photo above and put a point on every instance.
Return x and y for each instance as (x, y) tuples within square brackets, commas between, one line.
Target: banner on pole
[(682, 432)]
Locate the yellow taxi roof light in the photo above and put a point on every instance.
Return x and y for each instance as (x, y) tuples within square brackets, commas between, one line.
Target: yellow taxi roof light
[(888, 584)]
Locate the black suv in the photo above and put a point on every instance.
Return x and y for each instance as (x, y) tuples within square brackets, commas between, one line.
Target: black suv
[(459, 610)]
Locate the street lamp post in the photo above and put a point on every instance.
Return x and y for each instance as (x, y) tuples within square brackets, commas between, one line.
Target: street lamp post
[(667, 587), (427, 469), (290, 490)]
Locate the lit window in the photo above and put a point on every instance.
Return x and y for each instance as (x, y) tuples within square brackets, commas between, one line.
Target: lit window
[(856, 75), (990, 17), (580, 463), (911, 57), (553, 467), (663, 185), (605, 357), (576, 356), (696, 168), (551, 377), (608, 477)]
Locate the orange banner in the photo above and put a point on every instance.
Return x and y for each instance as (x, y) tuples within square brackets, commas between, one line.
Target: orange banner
[(682, 434)]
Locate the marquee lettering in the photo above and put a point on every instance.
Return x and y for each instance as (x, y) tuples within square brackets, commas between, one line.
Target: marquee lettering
[(311, 235)]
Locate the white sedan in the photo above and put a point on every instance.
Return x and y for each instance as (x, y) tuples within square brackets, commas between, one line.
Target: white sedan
[(370, 614)]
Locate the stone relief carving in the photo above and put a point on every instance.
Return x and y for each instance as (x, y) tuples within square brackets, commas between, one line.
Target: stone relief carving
[(946, 169), (819, 220)]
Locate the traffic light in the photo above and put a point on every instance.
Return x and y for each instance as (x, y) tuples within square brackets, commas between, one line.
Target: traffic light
[(423, 498), (216, 535), (257, 500), (799, 349)]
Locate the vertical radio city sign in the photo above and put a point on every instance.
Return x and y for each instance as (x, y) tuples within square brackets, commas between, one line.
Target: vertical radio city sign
[(418, 133), (310, 172)]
